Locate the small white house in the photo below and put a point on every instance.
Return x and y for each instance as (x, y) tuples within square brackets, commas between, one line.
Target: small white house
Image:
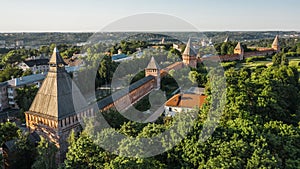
[(183, 103), (35, 65)]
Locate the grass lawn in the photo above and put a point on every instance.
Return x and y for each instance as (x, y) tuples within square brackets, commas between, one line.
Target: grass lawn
[(293, 62), (254, 64)]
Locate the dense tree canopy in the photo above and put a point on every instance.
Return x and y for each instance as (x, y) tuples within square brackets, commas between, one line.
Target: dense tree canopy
[(259, 128), (10, 72), (8, 131), (25, 96), (46, 155), (24, 152)]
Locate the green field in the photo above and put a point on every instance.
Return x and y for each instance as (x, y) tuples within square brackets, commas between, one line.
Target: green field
[(292, 62)]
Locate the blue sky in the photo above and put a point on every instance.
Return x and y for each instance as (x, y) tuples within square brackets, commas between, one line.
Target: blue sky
[(92, 15)]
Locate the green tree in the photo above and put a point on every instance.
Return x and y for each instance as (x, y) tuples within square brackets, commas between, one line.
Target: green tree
[(46, 155), (24, 153), (138, 163), (277, 59), (174, 55), (45, 50), (284, 60), (13, 57), (9, 72), (83, 153), (24, 98), (106, 69), (131, 128), (8, 131), (224, 49), (27, 72), (193, 76)]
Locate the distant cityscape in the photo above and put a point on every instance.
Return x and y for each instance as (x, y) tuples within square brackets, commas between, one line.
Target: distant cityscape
[(55, 87)]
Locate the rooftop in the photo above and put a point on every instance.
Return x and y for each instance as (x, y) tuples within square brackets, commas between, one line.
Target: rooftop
[(153, 64), (3, 84), (189, 50), (58, 97), (118, 56), (195, 90), (239, 46), (56, 58), (25, 80), (36, 62), (186, 100), (121, 93), (73, 62)]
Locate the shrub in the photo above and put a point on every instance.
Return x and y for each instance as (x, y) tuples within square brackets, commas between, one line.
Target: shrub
[(227, 65), (261, 66), (291, 54)]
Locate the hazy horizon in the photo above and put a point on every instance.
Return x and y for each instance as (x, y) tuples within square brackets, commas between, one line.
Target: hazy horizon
[(221, 31), (92, 15)]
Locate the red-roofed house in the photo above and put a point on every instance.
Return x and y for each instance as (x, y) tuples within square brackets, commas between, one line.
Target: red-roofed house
[(183, 103)]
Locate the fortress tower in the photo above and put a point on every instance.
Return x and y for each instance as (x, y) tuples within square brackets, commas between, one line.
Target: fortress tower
[(153, 70), (53, 112), (189, 55), (239, 50), (227, 39), (275, 44)]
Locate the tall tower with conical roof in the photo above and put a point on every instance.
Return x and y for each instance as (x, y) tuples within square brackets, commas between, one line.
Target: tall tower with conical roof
[(227, 39), (57, 107), (239, 50), (276, 45), (153, 69), (189, 55)]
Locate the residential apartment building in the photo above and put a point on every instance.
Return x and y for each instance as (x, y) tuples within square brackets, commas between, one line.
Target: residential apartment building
[(8, 89)]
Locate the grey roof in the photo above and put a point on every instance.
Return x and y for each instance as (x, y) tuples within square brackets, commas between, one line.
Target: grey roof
[(189, 50), (3, 84), (195, 90), (36, 62), (10, 145), (118, 56), (58, 97), (34, 137), (153, 64), (26, 80), (121, 93), (56, 58)]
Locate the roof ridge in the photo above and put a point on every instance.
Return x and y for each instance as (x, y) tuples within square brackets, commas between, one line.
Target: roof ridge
[(56, 58)]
